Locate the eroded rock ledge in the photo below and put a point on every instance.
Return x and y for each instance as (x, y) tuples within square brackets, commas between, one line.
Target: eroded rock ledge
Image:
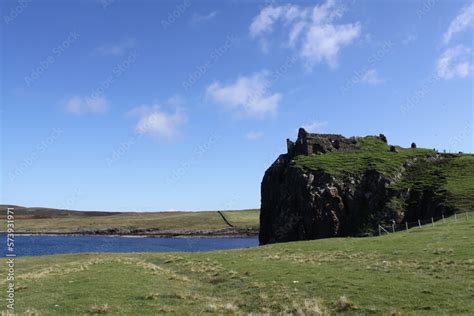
[(300, 203)]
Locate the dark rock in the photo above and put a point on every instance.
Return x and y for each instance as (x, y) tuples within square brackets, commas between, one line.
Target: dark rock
[(393, 149), (299, 204), (413, 145)]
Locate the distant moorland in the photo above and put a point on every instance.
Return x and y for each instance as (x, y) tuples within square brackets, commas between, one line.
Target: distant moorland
[(207, 223)]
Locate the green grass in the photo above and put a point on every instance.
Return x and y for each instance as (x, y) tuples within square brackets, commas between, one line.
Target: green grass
[(372, 154), (245, 219), (425, 271), (162, 221), (452, 177), (460, 182)]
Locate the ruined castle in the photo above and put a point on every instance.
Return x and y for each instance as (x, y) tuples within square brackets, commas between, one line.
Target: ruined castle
[(314, 144)]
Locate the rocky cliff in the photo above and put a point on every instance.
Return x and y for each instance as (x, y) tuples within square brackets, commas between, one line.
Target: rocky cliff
[(328, 185)]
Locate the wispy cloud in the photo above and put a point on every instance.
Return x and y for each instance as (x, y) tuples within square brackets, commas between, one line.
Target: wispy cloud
[(312, 31), (371, 77), (455, 63), (248, 95), (116, 49), (463, 21), (78, 105), (253, 135), (154, 121), (203, 18), (315, 126)]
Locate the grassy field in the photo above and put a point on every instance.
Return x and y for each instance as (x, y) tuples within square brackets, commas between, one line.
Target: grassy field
[(56, 221), (423, 271)]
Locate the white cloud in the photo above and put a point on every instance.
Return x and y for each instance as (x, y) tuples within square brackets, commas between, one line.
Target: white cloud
[(263, 23), (312, 31), (315, 127), (455, 62), (371, 76), (464, 20), (323, 42), (85, 104), (248, 95), (253, 135), (203, 18), (116, 49), (160, 124)]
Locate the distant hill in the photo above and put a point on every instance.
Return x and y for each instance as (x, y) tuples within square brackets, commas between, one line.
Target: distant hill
[(44, 212), (40, 220)]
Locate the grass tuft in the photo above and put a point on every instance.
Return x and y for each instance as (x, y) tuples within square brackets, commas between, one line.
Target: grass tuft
[(312, 307), (99, 309), (343, 304)]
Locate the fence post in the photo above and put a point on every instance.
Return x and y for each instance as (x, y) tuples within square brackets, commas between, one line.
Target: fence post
[(406, 225), (432, 221), (379, 231), (393, 228), (467, 216), (419, 223), (443, 218), (455, 217)]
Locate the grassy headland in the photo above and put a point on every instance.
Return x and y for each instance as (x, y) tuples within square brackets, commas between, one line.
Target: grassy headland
[(449, 174), (423, 271)]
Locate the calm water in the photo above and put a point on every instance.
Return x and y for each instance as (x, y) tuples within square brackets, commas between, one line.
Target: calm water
[(48, 245)]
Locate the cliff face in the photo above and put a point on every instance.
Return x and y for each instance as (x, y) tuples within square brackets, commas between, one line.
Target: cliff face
[(342, 188)]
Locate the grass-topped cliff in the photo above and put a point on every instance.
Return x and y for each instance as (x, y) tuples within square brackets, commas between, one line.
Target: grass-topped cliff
[(426, 170), (420, 272), (328, 185), (371, 153)]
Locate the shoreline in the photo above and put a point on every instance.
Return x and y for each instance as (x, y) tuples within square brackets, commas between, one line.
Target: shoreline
[(212, 233)]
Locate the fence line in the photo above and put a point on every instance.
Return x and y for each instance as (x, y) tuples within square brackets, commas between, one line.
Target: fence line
[(419, 223), (225, 219)]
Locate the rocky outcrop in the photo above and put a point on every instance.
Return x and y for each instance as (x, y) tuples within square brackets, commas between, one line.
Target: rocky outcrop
[(299, 204)]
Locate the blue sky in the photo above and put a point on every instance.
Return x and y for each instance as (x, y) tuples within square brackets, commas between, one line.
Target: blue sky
[(159, 105)]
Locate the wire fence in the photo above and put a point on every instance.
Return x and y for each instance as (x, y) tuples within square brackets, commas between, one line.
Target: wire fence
[(405, 226)]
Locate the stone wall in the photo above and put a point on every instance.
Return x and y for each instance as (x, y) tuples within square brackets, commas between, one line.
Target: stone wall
[(314, 144)]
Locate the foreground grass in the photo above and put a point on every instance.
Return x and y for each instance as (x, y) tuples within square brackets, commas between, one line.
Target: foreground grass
[(160, 221), (423, 271)]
